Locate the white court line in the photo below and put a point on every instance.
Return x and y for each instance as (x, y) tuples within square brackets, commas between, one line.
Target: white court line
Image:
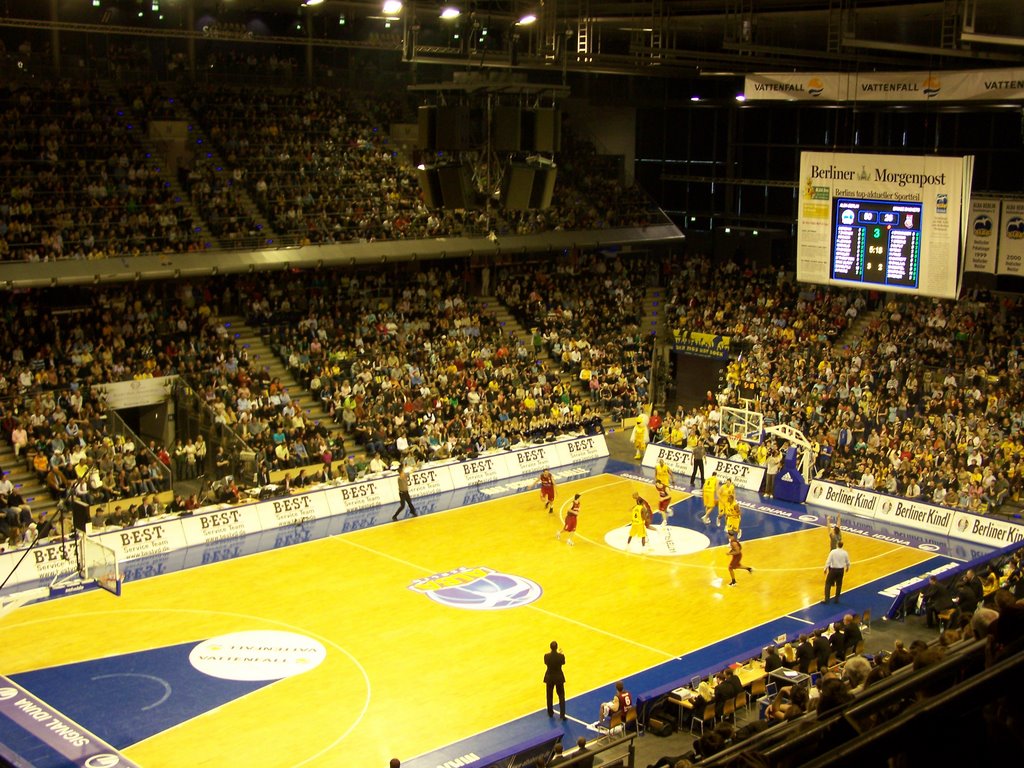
[(594, 629)]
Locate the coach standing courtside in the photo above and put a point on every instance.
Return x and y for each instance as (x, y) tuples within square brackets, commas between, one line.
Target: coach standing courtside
[(836, 566), (403, 493), (554, 679)]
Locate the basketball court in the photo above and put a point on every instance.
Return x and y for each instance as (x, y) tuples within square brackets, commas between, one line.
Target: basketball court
[(425, 637)]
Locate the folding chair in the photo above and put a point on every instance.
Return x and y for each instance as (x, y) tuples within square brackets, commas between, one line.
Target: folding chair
[(758, 688), (865, 621), (708, 718)]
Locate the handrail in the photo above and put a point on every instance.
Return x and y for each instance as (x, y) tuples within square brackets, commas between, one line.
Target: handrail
[(809, 730), (916, 725)]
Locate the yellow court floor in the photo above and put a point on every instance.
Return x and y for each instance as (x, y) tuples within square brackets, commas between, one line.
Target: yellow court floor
[(403, 674)]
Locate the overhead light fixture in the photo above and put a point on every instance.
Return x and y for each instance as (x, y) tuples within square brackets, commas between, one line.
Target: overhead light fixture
[(741, 97), (392, 7), (311, 3), (527, 19), (450, 12)]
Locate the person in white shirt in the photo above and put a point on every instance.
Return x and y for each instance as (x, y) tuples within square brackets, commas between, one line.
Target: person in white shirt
[(836, 566)]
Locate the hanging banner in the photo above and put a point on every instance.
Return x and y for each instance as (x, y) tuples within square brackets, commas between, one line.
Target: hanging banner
[(1011, 238), (902, 87), (982, 236), (703, 344)]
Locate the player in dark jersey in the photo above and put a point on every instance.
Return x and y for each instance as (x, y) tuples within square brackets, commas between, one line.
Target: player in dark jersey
[(546, 481)]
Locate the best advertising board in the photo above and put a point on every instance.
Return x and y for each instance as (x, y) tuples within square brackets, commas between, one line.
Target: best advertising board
[(294, 509), (146, 548), (680, 461)]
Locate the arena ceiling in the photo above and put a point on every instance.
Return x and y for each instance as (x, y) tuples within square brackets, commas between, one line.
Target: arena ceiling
[(622, 36)]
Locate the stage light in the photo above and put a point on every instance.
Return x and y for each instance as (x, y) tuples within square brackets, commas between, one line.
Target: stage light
[(311, 3), (527, 20), (392, 7), (450, 12)]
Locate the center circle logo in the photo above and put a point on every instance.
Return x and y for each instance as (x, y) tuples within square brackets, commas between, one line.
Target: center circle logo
[(478, 589), (263, 654)]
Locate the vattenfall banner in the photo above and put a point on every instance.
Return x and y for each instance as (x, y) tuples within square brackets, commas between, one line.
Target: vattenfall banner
[(902, 87)]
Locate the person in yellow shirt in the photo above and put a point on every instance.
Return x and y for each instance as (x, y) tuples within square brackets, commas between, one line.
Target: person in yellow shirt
[(662, 474), (728, 508), (710, 496), (637, 523)]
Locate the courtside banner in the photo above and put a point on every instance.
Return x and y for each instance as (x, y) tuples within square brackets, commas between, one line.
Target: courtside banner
[(882, 507), (482, 470), (982, 236), (680, 461), (293, 510), (535, 459), (365, 493), (145, 539), (433, 478), (579, 449), (42, 563), (219, 524), (986, 530)]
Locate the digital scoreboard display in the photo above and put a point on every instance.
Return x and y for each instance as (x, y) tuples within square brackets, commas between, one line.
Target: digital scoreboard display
[(876, 242)]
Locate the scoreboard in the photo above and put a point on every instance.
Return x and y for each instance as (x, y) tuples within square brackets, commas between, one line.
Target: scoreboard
[(876, 242), (888, 223)]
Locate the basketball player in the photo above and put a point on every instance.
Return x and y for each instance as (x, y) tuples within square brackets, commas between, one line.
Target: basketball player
[(571, 518), (662, 474), (710, 495), (664, 499), (729, 508), (648, 512), (736, 559), (546, 481), (637, 524)]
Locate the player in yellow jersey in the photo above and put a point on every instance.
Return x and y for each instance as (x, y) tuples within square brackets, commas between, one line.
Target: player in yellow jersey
[(729, 508), (662, 474), (638, 522), (710, 493)]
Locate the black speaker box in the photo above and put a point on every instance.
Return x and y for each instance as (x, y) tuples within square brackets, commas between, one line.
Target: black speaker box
[(454, 130), (456, 186), (543, 187), (518, 187), (507, 129), (427, 119), (430, 183), (547, 135)]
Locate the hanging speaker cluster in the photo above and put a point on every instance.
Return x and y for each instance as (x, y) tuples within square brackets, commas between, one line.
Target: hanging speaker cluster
[(514, 129), (448, 129), (528, 186), (447, 186)]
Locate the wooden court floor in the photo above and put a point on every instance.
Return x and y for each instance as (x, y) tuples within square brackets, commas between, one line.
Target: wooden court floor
[(404, 675)]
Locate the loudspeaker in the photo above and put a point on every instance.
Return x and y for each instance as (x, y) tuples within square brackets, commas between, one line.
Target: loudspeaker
[(453, 128), (427, 120), (430, 183), (541, 130), (80, 515), (518, 187), (456, 186), (543, 187), (547, 135), (507, 129)]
